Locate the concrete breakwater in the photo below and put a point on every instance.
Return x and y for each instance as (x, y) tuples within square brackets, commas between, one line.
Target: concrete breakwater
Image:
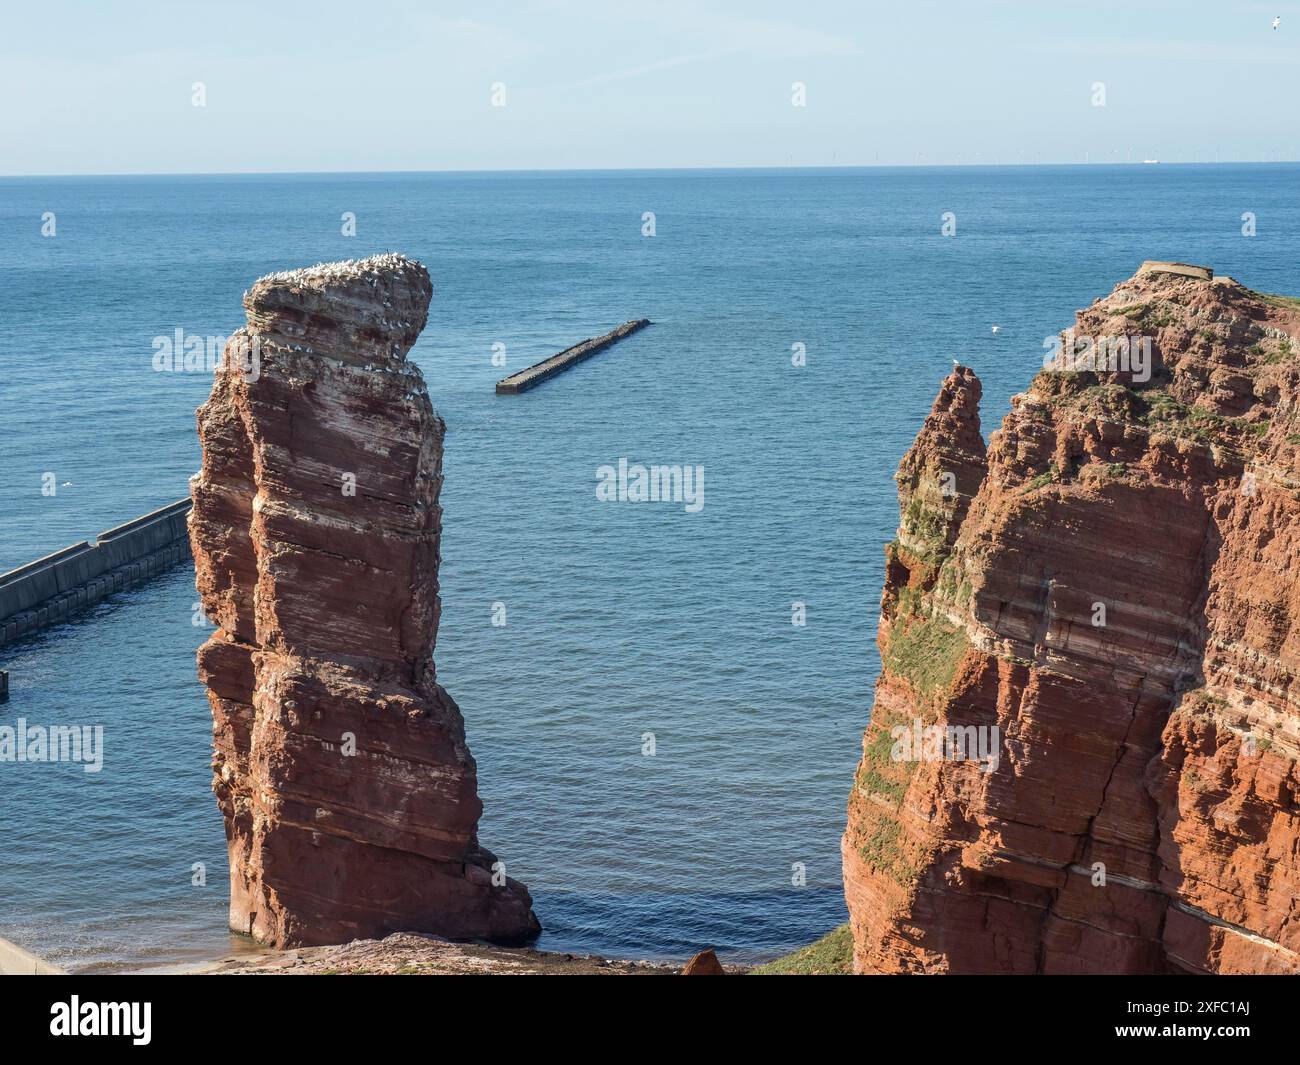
[(15, 961), (55, 587), (547, 368)]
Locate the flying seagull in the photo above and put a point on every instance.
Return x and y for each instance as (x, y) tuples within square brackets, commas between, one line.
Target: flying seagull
[(1277, 22)]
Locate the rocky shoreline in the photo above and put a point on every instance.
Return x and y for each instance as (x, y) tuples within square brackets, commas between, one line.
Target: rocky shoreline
[(413, 954)]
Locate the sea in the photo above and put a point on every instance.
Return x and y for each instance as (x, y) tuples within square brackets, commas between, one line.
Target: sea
[(666, 702)]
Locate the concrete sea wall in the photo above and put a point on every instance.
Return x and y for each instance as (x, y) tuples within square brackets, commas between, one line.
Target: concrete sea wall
[(15, 961), (55, 587)]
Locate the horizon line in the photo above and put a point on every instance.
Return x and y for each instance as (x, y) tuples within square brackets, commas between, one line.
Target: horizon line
[(652, 169)]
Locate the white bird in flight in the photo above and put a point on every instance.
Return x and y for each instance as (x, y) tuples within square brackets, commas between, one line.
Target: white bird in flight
[(1277, 22), (996, 328)]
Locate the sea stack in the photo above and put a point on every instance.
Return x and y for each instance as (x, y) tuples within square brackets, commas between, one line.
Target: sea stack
[(340, 766), (1094, 631)]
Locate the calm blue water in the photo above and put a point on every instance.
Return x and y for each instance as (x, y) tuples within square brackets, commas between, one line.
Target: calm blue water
[(622, 619)]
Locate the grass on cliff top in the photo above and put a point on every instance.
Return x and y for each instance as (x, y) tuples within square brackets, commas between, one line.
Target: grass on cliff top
[(832, 955), (1155, 314), (1290, 302), (1153, 407)]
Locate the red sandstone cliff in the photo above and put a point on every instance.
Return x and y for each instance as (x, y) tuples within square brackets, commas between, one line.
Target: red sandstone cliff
[(326, 598), (1113, 587)]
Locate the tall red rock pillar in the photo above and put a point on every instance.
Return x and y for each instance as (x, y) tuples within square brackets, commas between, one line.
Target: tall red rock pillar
[(349, 795)]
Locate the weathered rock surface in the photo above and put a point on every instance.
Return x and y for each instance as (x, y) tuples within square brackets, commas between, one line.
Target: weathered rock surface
[(1113, 586), (705, 963), (315, 532), (407, 954)]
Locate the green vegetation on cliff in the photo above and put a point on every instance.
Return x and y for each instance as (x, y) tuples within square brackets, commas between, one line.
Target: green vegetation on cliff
[(880, 774), (925, 651), (1288, 302), (1153, 407), (832, 955)]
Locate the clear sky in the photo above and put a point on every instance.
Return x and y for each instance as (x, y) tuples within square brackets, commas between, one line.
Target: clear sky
[(95, 88)]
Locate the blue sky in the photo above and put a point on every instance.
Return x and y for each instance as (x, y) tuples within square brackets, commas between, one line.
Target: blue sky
[(92, 88)]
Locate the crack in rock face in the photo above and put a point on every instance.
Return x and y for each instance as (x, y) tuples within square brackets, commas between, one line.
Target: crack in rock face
[(1107, 590), (340, 766)]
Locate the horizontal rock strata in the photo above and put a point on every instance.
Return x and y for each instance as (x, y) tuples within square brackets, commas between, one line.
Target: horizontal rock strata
[(1111, 586), (340, 767)]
